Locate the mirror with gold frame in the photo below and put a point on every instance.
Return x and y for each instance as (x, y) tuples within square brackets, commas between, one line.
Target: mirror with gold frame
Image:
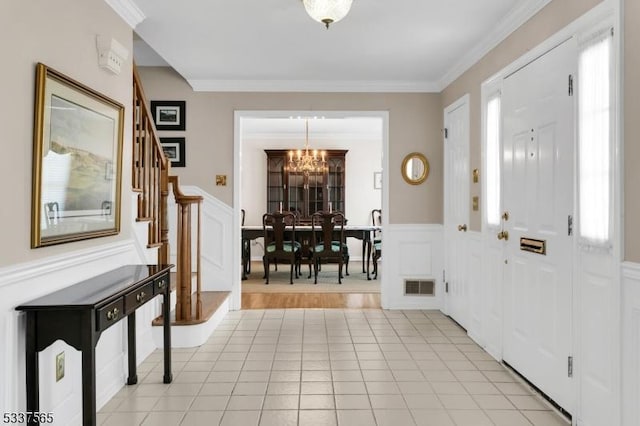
[(77, 161), (415, 168)]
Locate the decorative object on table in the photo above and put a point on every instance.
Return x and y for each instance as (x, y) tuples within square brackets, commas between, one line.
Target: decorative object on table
[(415, 168), (327, 11), (307, 161), (174, 150), (77, 161), (169, 115), (377, 180)]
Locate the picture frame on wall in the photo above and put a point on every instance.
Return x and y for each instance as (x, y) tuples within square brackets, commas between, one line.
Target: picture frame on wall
[(174, 150), (77, 161), (169, 115)]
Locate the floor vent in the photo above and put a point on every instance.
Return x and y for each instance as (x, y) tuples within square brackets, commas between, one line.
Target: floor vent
[(420, 287)]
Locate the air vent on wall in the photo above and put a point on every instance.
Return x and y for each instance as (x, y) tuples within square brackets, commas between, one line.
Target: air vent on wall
[(420, 287)]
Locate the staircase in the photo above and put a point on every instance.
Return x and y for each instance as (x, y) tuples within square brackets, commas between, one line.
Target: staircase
[(151, 181)]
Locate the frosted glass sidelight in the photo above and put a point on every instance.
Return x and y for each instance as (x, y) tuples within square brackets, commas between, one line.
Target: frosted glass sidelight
[(594, 140), (492, 160)]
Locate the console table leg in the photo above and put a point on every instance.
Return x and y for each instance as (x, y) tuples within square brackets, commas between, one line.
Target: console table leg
[(131, 348), (166, 322), (89, 385), (32, 367)]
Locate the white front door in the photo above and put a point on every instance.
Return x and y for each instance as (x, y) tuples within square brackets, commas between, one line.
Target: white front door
[(456, 212), (538, 155)]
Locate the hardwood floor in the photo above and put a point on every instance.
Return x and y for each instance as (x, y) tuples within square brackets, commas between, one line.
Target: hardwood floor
[(310, 300)]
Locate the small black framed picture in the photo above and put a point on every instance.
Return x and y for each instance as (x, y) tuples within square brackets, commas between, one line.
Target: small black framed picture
[(174, 151), (169, 115)]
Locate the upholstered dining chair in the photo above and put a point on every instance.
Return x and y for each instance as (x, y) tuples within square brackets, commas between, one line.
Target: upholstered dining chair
[(376, 220), (327, 241), (280, 243)]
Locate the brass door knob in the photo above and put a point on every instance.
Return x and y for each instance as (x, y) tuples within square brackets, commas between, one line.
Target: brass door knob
[(462, 227), (503, 235)]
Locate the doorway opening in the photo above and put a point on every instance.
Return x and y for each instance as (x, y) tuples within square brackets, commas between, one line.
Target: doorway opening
[(261, 135)]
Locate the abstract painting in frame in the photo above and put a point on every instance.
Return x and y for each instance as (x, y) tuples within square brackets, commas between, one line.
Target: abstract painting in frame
[(77, 161), (169, 115)]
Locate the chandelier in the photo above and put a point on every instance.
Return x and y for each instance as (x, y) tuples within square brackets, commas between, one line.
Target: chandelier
[(307, 161), (327, 11)]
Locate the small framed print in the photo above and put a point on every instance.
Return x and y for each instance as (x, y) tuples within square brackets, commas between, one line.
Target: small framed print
[(173, 149), (377, 180), (169, 115)]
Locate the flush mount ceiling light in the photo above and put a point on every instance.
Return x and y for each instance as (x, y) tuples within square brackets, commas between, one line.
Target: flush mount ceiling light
[(327, 11)]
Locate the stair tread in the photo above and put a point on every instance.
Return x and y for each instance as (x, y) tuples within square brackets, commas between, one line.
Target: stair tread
[(211, 301)]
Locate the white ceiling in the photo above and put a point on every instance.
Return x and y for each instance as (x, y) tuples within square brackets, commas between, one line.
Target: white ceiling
[(292, 128), (273, 45)]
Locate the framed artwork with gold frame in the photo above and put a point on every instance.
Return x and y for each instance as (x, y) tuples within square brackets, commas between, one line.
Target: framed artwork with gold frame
[(77, 161)]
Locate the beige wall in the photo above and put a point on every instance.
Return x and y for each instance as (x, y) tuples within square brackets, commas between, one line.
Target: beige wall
[(632, 128), (415, 121), (549, 20), (62, 35)]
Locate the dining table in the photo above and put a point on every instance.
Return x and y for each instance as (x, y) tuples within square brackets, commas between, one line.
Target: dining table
[(303, 232)]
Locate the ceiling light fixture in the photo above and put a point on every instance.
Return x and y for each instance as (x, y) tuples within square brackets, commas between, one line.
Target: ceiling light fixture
[(307, 161), (327, 11)]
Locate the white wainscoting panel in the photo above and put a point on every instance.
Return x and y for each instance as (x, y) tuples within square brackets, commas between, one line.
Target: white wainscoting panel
[(411, 252), (217, 255), (597, 325), (476, 287), (24, 282), (630, 344), (493, 278)]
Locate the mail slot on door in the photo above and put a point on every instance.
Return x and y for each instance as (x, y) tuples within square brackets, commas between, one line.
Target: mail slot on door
[(534, 246)]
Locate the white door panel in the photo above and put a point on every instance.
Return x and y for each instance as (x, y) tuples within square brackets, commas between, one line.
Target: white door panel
[(538, 194), (456, 222)]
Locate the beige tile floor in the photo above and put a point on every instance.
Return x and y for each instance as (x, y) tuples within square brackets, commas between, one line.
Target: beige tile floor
[(326, 367)]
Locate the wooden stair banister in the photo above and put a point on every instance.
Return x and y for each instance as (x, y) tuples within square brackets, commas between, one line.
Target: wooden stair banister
[(151, 179), (150, 173), (184, 273)]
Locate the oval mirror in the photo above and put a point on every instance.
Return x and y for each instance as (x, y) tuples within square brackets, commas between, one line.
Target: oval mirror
[(415, 168)]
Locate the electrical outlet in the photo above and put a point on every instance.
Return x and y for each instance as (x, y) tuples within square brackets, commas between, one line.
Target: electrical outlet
[(59, 366)]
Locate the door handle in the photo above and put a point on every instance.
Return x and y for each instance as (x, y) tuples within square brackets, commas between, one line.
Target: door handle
[(462, 228), (503, 235)]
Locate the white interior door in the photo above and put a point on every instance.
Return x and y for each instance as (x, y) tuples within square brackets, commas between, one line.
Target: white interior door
[(456, 214), (538, 155)]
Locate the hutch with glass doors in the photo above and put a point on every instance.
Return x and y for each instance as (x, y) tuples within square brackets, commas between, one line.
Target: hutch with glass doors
[(305, 193)]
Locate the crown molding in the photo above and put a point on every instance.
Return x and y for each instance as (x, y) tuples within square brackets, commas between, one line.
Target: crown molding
[(313, 86), (514, 19), (128, 11)]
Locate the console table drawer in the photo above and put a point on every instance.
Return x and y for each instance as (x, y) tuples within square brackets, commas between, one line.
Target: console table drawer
[(110, 314), (137, 298), (160, 283)]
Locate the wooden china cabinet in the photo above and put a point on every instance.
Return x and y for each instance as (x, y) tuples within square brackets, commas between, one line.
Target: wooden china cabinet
[(305, 194)]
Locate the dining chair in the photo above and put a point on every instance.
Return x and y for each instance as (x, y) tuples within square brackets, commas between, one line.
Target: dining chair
[(280, 243), (328, 241), (376, 220), (246, 248)]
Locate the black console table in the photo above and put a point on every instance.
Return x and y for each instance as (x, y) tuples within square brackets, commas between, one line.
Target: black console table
[(80, 313)]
